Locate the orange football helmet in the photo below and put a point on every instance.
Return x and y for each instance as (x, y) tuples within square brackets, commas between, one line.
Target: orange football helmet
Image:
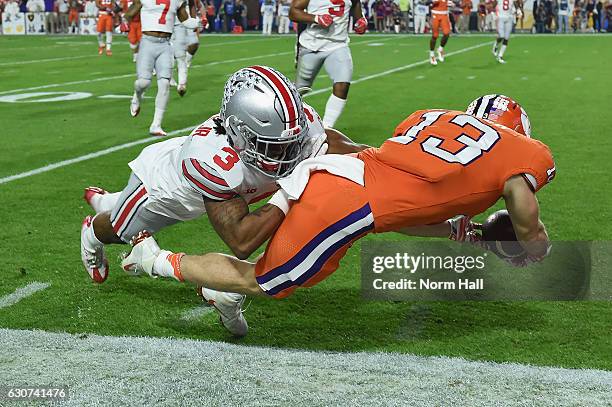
[(501, 110)]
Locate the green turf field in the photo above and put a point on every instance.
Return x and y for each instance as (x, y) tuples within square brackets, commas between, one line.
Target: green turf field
[(563, 83)]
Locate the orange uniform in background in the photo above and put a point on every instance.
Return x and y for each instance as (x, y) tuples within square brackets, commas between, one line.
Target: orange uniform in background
[(439, 18), (105, 17), (135, 31), (440, 164)]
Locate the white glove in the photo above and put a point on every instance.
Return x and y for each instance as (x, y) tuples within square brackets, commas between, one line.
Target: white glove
[(191, 23)]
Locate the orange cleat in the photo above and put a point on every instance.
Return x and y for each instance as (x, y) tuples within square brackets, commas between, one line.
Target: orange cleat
[(100, 50), (109, 53)]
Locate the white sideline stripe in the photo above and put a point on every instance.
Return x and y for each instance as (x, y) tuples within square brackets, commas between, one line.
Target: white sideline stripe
[(89, 156), (399, 69), (146, 140), (21, 293), (104, 370)]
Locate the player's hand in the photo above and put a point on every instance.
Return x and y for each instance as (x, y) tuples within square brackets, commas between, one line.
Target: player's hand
[(464, 230), (204, 21), (324, 20), (361, 26)]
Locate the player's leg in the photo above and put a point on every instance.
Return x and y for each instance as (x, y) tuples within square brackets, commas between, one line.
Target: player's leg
[(446, 29), (193, 45), (339, 67), (100, 200), (163, 68), (109, 35), (144, 70), (309, 64), (100, 28), (179, 47), (498, 40), (506, 30), (435, 29)]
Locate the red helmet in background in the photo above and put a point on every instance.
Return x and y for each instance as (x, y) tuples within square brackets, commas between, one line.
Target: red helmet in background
[(502, 110)]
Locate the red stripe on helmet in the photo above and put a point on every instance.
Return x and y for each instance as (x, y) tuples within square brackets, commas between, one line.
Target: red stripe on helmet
[(286, 96)]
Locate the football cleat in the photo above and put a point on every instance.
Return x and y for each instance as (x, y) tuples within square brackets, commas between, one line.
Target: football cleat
[(441, 55), (157, 131), (94, 259), (100, 50), (142, 257), (229, 308), (501, 60), (181, 89), (135, 106), (109, 53), (90, 192), (433, 60)]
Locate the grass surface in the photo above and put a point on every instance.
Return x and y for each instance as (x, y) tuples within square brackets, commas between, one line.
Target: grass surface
[(563, 83)]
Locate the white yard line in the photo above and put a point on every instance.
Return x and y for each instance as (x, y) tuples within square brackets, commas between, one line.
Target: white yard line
[(104, 370), (64, 163), (21, 293), (89, 156)]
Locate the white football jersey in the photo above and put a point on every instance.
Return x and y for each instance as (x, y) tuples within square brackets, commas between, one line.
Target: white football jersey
[(179, 172), (159, 15), (505, 9), (317, 38)]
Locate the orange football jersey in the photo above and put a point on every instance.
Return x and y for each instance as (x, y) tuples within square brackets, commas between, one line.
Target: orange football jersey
[(440, 6), (441, 163)]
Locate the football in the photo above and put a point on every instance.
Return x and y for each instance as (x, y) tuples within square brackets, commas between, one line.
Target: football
[(498, 233)]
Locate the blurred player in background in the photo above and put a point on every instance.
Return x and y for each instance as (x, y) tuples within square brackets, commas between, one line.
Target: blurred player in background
[(506, 15), (185, 44), (73, 15), (325, 42), (105, 25), (157, 19), (420, 17), (439, 21), (283, 17), (268, 7), (134, 30)]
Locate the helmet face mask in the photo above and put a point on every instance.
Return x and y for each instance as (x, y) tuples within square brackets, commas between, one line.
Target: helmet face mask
[(264, 117), (502, 110)]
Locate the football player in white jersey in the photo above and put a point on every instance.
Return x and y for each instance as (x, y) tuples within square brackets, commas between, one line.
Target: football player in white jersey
[(185, 44), (506, 14), (232, 159), (157, 19), (325, 41)]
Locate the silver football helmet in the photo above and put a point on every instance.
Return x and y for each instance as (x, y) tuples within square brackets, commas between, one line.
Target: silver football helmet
[(263, 115)]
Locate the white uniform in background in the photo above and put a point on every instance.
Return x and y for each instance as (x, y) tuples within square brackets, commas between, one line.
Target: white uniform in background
[(505, 18), (35, 6), (420, 18), (283, 18), (11, 9), (155, 53), (90, 9), (326, 46), (182, 37), (267, 11)]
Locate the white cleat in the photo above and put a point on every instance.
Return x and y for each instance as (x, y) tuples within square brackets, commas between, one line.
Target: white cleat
[(441, 56), (157, 131), (433, 60), (142, 257), (135, 106), (94, 260), (229, 308), (90, 193), (501, 60), (181, 89)]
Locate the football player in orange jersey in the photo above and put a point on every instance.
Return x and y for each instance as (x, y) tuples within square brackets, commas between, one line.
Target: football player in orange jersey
[(105, 25), (438, 164), (439, 20), (134, 31)]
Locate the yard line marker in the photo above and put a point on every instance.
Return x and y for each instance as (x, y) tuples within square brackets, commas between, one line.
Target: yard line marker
[(109, 150), (21, 293), (89, 156)]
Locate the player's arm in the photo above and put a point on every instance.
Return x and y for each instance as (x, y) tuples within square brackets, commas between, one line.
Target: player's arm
[(132, 10), (339, 143), (356, 9), (524, 211), (297, 13), (241, 230), (186, 20), (361, 23)]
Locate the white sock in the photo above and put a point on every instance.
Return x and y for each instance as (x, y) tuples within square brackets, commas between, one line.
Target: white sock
[(502, 50), (104, 202), (431, 53), (109, 40), (161, 100), (181, 67), (90, 241), (440, 49), (333, 110), (162, 267), (495, 46), (135, 57), (100, 40), (188, 58)]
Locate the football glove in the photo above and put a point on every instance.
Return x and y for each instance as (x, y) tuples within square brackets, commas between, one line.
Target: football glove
[(463, 230), (361, 26), (324, 20), (204, 21), (191, 23)]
